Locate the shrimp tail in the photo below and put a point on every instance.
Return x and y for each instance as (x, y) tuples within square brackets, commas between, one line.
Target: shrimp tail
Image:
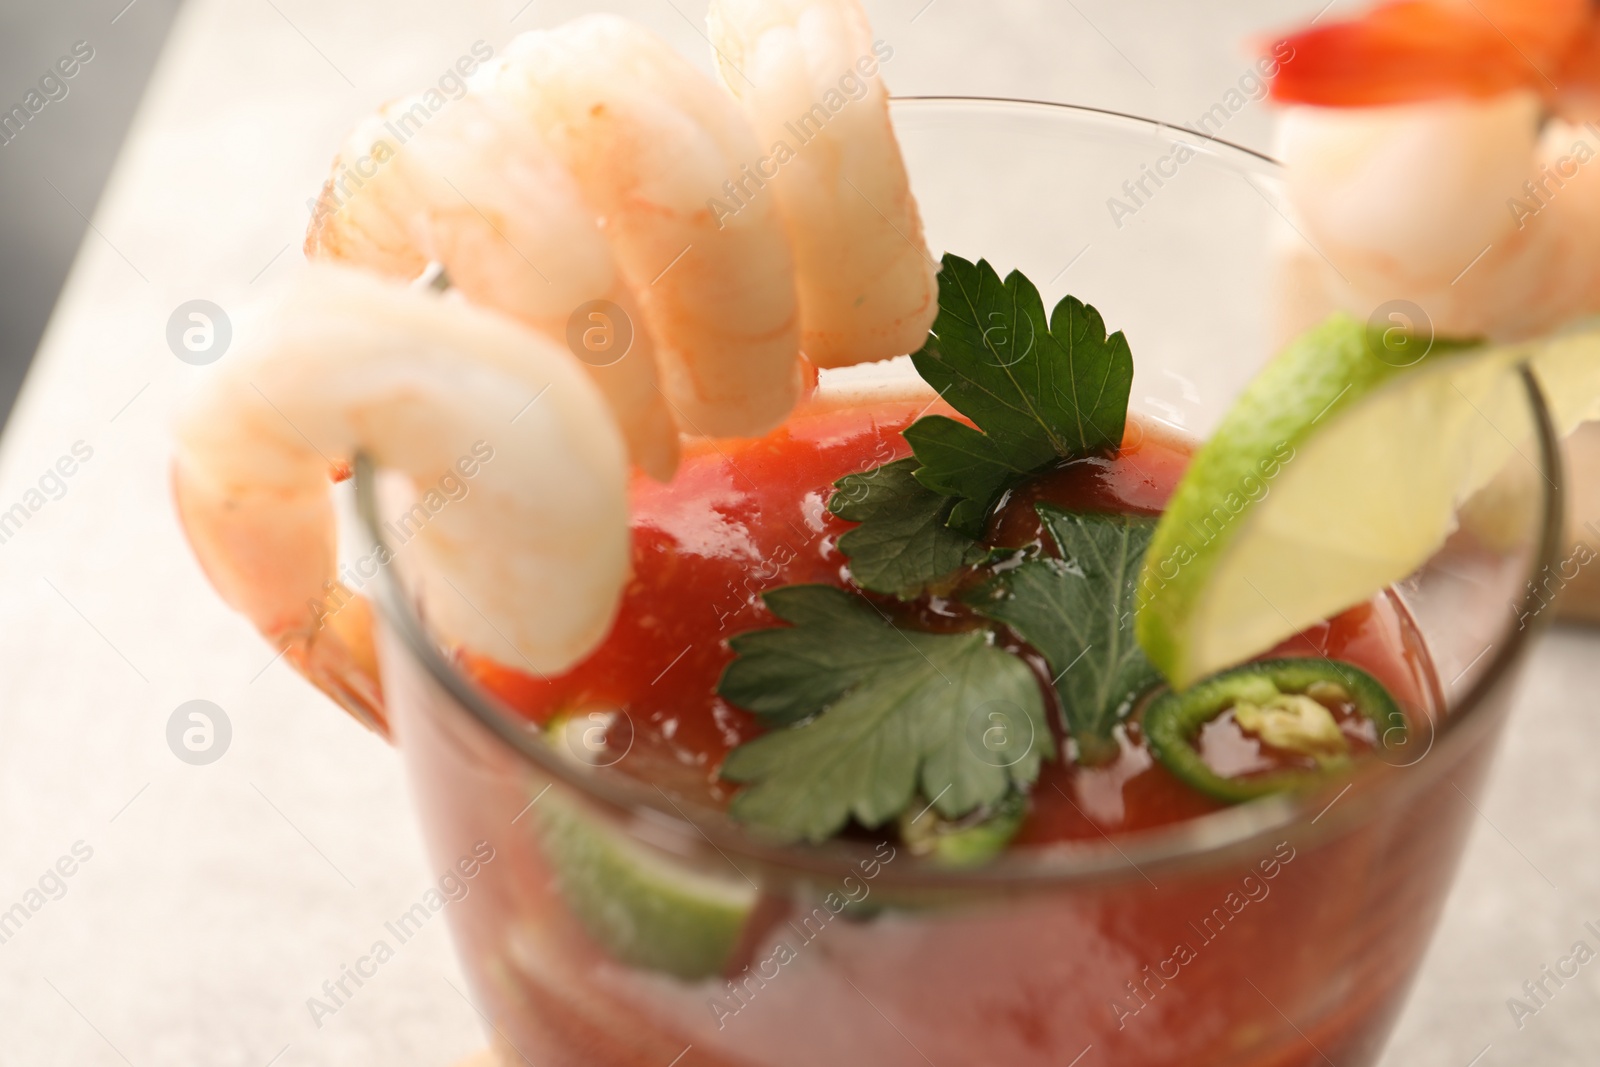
[(328, 639), (1408, 51), (341, 659)]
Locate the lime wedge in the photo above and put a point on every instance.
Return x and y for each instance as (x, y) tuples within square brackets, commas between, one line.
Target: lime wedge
[(636, 904), (1339, 472), (642, 909)]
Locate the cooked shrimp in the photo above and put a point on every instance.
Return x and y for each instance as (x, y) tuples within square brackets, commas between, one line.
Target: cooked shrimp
[(1423, 164), (808, 74), (648, 138), (1463, 207), (475, 189), (578, 167), (535, 554)]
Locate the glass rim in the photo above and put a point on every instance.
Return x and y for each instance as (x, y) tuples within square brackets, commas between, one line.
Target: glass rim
[(1211, 838), (1051, 107)]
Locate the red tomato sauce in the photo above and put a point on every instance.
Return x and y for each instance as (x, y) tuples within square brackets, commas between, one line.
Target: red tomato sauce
[(743, 517)]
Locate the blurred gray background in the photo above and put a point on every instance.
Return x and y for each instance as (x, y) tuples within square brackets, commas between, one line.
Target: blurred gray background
[(52, 171)]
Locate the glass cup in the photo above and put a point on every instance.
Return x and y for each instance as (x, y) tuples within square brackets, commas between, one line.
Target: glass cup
[(1281, 932)]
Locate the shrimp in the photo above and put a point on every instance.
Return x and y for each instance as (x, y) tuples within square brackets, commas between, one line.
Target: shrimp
[(474, 189), (648, 139), (1431, 158), (1465, 208), (807, 72), (579, 166), (433, 387)]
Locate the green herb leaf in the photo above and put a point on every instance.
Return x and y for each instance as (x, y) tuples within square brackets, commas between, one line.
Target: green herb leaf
[(883, 714), (1078, 612), (1038, 390), (783, 679), (868, 717), (958, 461), (903, 544)]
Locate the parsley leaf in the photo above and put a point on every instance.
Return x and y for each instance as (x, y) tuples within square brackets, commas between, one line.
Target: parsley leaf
[(868, 718), (903, 544), (1078, 612), (883, 714), (1038, 390)]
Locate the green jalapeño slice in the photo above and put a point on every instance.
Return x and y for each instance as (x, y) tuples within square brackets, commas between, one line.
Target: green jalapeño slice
[(1301, 714)]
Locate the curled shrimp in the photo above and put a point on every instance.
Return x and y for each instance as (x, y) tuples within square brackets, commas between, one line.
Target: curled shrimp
[(577, 167), (648, 138), (474, 189), (1431, 158), (423, 383), (809, 75), (1464, 208)]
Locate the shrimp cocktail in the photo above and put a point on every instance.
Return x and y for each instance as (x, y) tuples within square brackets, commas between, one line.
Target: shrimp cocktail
[(833, 654)]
